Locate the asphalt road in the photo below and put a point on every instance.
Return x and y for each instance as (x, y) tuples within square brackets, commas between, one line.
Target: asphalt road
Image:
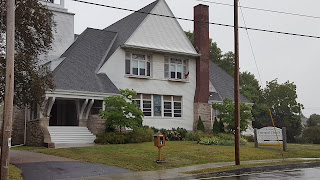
[(36, 166)]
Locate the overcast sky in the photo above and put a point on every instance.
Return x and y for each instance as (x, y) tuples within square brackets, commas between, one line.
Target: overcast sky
[(278, 56)]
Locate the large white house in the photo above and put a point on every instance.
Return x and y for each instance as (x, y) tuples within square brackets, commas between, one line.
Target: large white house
[(175, 81)]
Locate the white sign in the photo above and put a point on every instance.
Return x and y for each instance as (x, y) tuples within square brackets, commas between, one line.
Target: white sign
[(9, 143), (268, 135)]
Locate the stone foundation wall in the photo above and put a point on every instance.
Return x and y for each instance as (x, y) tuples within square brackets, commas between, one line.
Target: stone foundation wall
[(96, 125), (35, 136), (204, 111), (18, 126)]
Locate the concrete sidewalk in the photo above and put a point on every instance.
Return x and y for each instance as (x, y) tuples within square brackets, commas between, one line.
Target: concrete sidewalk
[(178, 172)]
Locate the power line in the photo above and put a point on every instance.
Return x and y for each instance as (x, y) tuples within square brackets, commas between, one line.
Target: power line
[(212, 23), (260, 9), (254, 57)]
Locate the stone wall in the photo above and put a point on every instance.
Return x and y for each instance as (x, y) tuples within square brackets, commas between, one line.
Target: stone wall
[(204, 111), (35, 136), (18, 126), (96, 125)]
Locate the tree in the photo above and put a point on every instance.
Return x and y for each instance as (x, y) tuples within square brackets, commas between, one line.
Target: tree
[(200, 126), (33, 36), (314, 120), (122, 111), (226, 109), (282, 100)]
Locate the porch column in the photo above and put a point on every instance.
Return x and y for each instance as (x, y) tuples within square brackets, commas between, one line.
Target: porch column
[(82, 120)]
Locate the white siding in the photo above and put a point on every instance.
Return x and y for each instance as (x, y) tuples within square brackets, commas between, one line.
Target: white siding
[(115, 69), (161, 33), (63, 32)]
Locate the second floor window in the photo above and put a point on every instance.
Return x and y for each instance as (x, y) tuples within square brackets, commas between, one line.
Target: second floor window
[(175, 68), (138, 64)]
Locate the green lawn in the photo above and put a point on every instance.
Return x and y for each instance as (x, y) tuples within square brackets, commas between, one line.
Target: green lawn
[(14, 173), (140, 157)]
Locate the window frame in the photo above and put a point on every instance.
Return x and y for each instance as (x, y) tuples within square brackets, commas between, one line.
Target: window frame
[(140, 97), (147, 64), (184, 68)]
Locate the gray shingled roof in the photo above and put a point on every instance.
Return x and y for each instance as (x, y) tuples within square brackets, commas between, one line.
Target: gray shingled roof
[(78, 71), (91, 50), (126, 26), (223, 83)]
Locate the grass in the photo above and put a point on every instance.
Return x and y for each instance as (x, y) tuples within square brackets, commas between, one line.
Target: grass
[(14, 173), (141, 157), (233, 167)]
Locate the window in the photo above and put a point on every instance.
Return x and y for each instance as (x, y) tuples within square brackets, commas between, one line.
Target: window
[(159, 106), (146, 109), (177, 106), (167, 102), (138, 64), (175, 68)]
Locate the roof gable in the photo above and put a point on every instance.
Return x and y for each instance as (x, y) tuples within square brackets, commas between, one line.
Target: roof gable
[(161, 33), (77, 71), (126, 26)]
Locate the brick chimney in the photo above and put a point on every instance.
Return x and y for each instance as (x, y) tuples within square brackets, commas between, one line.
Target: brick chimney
[(201, 43)]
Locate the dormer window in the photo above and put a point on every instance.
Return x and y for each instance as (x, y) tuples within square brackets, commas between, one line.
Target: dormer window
[(138, 64), (176, 68)]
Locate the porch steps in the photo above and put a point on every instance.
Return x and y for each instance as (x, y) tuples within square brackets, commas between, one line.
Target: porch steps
[(71, 135)]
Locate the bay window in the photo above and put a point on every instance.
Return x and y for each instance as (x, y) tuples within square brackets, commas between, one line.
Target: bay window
[(138, 64)]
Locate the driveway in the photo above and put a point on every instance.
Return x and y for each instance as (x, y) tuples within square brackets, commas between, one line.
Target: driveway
[(37, 166)]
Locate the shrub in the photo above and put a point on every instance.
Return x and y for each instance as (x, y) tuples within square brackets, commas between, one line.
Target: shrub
[(155, 130), (138, 135), (111, 138), (249, 138), (311, 134), (218, 126), (200, 126), (221, 139), (196, 136), (174, 134)]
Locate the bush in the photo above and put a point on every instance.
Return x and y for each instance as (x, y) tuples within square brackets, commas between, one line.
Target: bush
[(155, 130), (196, 136), (175, 134), (139, 135), (200, 126), (111, 138), (221, 139), (311, 134), (249, 138), (218, 126)]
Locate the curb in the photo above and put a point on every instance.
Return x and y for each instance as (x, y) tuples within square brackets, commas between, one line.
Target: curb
[(258, 169)]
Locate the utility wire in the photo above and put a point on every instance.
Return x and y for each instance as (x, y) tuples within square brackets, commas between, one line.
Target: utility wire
[(213, 23), (253, 55), (260, 9)]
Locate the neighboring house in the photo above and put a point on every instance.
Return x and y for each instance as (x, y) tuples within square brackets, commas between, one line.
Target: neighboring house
[(152, 55)]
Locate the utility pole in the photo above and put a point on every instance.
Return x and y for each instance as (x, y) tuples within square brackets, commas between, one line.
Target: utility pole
[(9, 90), (236, 86)]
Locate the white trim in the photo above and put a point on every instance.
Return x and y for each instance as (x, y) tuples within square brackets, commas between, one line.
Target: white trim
[(58, 93), (89, 108), (83, 106), (51, 102), (159, 50)]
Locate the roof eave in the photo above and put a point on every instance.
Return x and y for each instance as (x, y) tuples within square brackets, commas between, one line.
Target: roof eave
[(126, 46)]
